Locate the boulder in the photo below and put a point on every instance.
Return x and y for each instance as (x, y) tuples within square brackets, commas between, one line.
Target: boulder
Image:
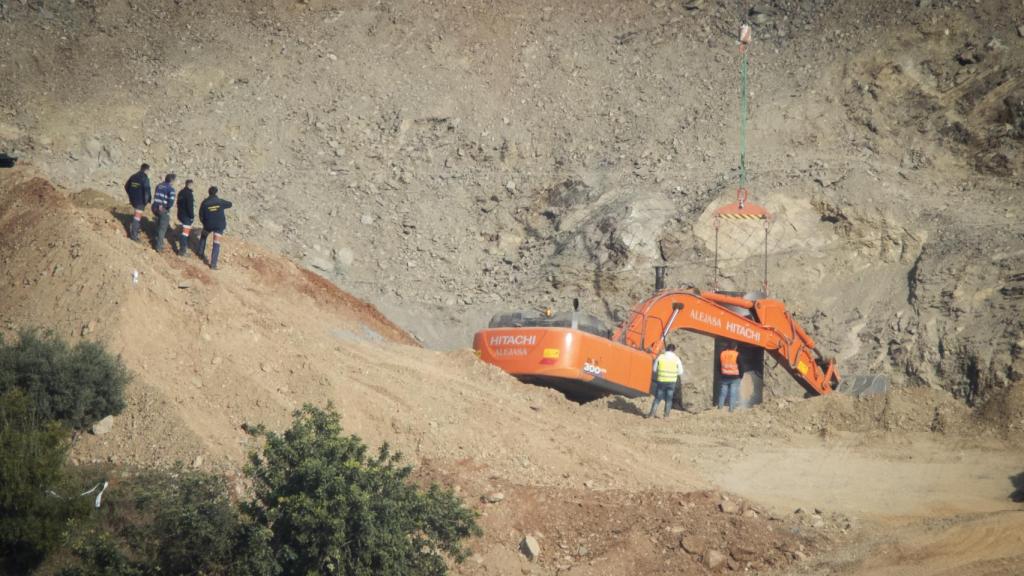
[(530, 548), (692, 544), (714, 559), (493, 497), (103, 426)]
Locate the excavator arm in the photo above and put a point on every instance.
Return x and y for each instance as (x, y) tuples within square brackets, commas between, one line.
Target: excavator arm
[(763, 323)]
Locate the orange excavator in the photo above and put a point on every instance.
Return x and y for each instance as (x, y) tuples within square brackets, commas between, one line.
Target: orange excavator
[(574, 354)]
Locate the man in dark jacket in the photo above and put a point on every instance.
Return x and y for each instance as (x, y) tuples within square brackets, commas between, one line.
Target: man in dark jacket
[(163, 201), (186, 215), (211, 214), (139, 194)]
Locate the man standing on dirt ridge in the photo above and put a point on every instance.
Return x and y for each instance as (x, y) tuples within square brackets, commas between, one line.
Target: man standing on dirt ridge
[(186, 215), (667, 372), (163, 201), (211, 214), (139, 194)]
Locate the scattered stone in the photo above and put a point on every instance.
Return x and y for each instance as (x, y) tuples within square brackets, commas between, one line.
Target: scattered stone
[(510, 186), (714, 559), (321, 264), (588, 484), (93, 147), (743, 553), (966, 57), (759, 15), (493, 497), (817, 521), (103, 426), (197, 461), (582, 551), (692, 544), (184, 284), (729, 507), (1020, 30), (530, 548), (799, 556), (366, 219), (750, 513), (694, 5), (344, 257), (89, 328)]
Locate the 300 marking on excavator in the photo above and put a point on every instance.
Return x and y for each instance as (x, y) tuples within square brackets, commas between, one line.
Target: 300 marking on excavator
[(593, 369)]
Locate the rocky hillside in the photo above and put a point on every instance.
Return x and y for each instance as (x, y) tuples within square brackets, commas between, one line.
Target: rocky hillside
[(448, 161)]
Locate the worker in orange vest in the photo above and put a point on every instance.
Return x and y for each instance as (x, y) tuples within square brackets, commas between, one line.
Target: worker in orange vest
[(729, 387)]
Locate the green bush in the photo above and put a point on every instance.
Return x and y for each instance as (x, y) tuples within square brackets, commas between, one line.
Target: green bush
[(32, 453), (101, 556), (321, 506), (75, 385), (332, 509), (173, 523)]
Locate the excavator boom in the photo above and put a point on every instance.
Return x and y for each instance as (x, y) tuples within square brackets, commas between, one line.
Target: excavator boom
[(762, 323)]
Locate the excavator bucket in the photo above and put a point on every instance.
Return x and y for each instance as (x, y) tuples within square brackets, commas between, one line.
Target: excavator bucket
[(864, 385)]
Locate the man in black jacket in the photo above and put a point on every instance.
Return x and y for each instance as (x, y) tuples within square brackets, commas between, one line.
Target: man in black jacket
[(211, 214), (186, 215), (139, 194)]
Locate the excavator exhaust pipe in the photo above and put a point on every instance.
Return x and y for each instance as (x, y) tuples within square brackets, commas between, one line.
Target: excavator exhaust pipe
[(659, 278), (864, 385)]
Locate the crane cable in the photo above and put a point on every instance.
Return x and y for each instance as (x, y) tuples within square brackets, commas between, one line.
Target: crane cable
[(745, 38)]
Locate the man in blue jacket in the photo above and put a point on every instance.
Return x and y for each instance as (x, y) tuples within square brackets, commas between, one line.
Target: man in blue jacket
[(139, 194), (163, 201), (211, 214), (186, 215)]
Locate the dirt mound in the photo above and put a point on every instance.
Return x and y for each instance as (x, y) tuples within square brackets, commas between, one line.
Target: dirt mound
[(901, 411), (214, 351)]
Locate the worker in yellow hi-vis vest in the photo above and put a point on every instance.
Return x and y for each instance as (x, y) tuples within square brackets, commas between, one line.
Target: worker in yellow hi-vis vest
[(729, 383), (666, 373)]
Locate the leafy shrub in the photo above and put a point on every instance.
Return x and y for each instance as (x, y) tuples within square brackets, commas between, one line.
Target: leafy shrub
[(76, 385), (321, 506), (173, 523), (32, 454), (332, 509), (101, 556)]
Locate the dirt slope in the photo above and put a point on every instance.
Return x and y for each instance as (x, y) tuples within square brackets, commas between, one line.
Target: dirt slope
[(604, 491)]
